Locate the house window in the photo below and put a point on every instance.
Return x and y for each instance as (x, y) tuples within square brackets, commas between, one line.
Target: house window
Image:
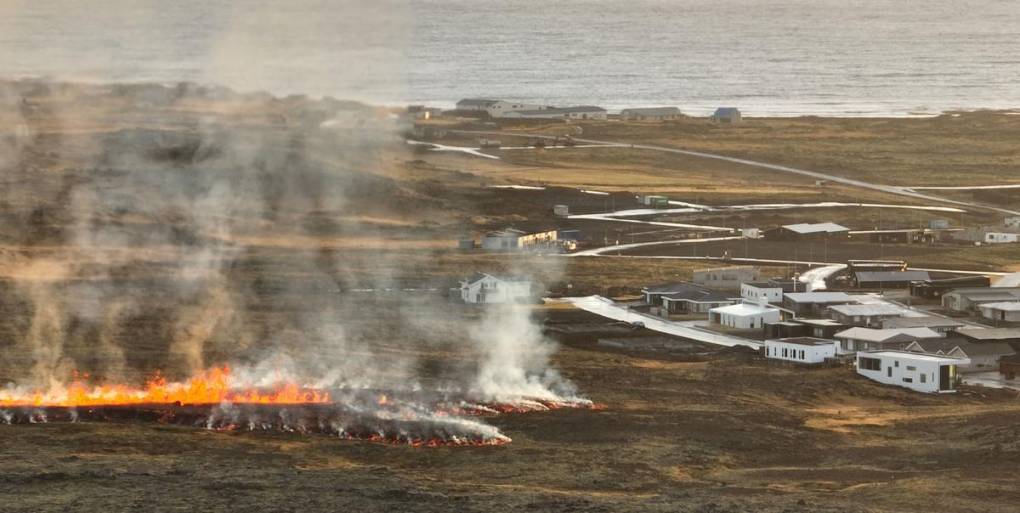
[(924, 378), (911, 368), (784, 352), (801, 354), (908, 380), (872, 364), (896, 363)]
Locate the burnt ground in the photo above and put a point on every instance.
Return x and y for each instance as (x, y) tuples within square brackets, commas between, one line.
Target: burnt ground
[(703, 431)]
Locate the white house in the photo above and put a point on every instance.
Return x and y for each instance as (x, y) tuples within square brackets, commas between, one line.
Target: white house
[(756, 292), (482, 288), (1004, 311), (800, 349), (744, 315), (1001, 237), (501, 108), (921, 372)]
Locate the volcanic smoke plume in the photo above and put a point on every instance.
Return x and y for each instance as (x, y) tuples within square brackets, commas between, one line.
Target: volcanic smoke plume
[(188, 254)]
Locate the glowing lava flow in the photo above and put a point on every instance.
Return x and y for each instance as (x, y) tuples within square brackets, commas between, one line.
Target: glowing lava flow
[(210, 387)]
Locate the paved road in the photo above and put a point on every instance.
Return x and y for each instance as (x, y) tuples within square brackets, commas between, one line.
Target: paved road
[(690, 329), (891, 189), (624, 247)]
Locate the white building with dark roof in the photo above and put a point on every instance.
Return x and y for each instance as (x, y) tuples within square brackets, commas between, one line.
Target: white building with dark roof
[(504, 109)]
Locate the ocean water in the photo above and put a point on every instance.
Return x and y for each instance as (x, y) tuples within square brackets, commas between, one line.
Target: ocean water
[(768, 57)]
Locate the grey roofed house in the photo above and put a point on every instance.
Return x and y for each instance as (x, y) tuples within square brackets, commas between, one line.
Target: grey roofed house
[(989, 334), (935, 323), (727, 114), (982, 355), (966, 299), (805, 228), (819, 297), (475, 103), (868, 339), (867, 310), (698, 294)]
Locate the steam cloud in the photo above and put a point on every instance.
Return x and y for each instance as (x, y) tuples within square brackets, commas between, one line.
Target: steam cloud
[(173, 227)]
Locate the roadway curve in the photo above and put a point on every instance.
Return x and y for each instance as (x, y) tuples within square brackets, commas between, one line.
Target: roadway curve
[(890, 189)]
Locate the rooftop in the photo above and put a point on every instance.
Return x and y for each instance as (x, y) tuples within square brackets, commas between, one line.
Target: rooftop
[(990, 333), (804, 228), (888, 335), (867, 310), (818, 322), (969, 348), (819, 297), (920, 322), (1006, 306), (804, 341), (507, 278), (872, 276), (742, 309), (908, 356)]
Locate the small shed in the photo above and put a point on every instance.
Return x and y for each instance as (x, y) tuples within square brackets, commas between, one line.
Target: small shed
[(808, 350), (727, 115)]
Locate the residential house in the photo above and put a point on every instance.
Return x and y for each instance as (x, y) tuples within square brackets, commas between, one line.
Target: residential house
[(814, 303), (726, 277), (727, 115), (692, 300), (869, 316), (920, 372), (512, 239), (869, 339), (483, 288), (1001, 237), (650, 114), (983, 357), (744, 315), (1006, 311), (808, 350), (475, 104), (503, 109), (938, 324), (967, 299)]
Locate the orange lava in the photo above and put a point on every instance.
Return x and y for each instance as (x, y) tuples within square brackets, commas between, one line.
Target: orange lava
[(210, 387)]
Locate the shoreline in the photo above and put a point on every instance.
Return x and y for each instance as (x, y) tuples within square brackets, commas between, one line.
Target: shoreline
[(700, 109)]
